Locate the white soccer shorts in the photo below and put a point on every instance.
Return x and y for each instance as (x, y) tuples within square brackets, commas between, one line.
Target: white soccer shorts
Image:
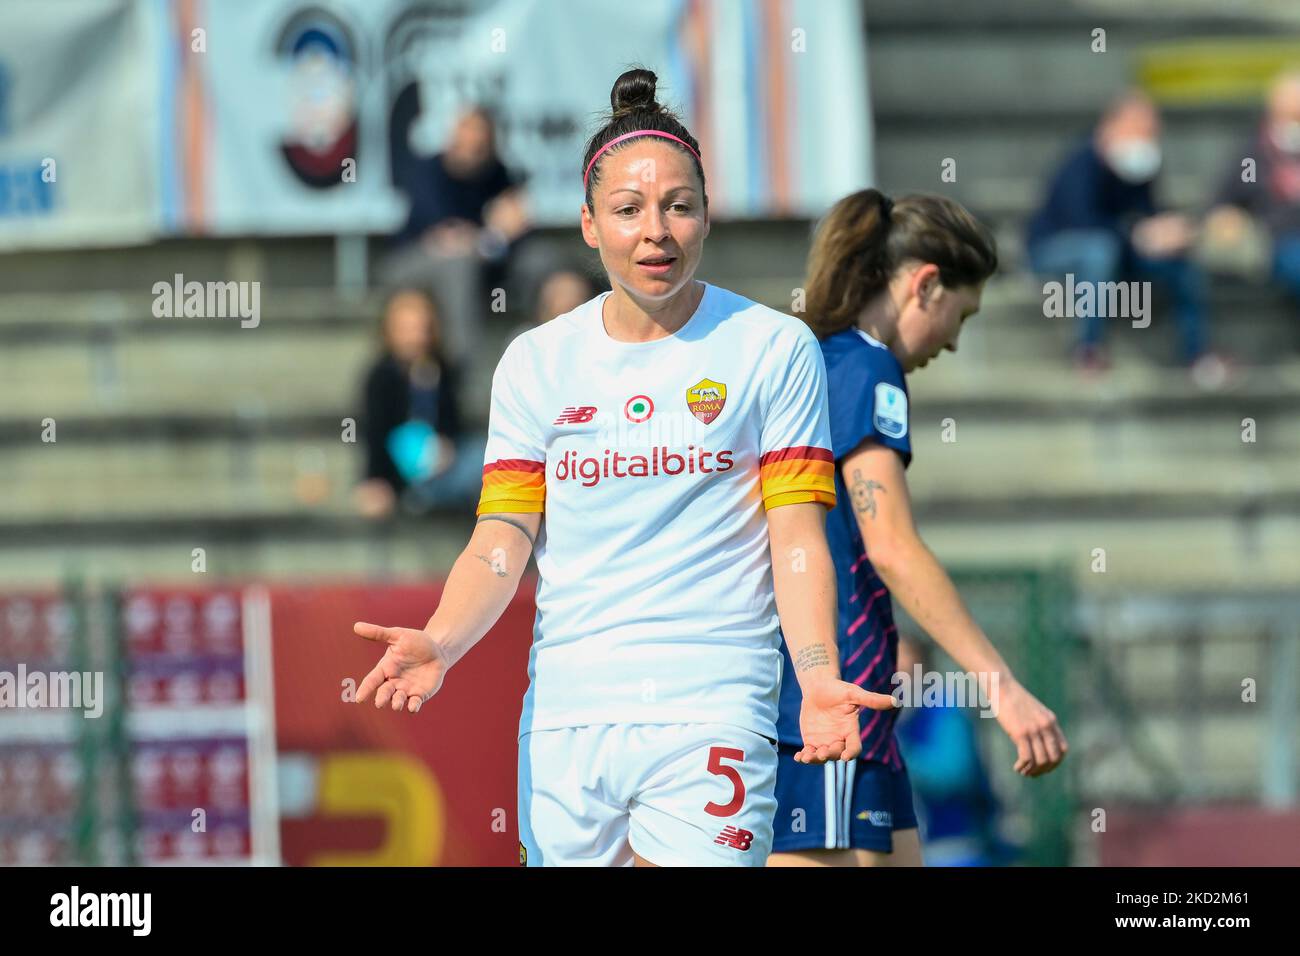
[(677, 794)]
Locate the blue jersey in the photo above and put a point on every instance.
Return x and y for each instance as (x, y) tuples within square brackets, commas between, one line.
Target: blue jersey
[(868, 400)]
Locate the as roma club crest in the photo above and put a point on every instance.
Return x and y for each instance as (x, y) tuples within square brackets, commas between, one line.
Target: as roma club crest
[(705, 399)]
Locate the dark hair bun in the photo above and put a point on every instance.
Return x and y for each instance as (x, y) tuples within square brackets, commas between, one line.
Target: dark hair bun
[(633, 91)]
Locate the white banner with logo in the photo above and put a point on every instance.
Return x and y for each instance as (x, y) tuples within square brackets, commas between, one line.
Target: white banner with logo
[(303, 100), (78, 123), (123, 120)]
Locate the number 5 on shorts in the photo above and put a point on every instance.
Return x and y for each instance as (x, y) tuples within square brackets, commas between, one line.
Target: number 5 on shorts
[(716, 756)]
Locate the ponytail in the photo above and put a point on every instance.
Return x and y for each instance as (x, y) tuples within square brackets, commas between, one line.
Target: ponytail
[(867, 236)]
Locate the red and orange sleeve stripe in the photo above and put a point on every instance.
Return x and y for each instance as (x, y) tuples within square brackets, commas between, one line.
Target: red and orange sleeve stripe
[(800, 473), (513, 485)]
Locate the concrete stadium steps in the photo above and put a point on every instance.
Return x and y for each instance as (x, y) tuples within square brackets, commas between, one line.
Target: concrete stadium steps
[(1033, 469), (1142, 437), (1179, 657), (1201, 523), (230, 370), (1159, 668), (205, 366), (275, 545), (291, 262), (1220, 550), (159, 418), (1002, 164), (1022, 334), (1050, 73), (69, 311), (1237, 548), (85, 477), (1148, 759), (1256, 325), (1026, 387), (1181, 451), (104, 355), (1231, 751), (995, 477)]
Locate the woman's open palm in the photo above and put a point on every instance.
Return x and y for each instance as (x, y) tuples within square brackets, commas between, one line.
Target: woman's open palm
[(828, 719), (409, 673)]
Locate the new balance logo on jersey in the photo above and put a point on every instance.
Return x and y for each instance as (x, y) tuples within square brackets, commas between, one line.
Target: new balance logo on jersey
[(877, 818), (735, 838), (575, 414)]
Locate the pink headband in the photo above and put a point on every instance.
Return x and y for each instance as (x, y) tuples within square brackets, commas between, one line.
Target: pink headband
[(635, 132)]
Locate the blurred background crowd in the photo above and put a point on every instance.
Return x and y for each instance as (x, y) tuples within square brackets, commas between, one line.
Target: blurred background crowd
[(1099, 218)]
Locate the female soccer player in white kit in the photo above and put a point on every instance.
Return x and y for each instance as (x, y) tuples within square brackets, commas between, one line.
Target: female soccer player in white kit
[(675, 436)]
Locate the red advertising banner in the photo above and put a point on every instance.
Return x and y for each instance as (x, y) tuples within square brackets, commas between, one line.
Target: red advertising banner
[(358, 785)]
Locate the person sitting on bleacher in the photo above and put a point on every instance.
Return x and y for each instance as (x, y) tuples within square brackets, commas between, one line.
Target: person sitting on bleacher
[(467, 212), (417, 450), (1099, 222), (560, 291), (1267, 191)]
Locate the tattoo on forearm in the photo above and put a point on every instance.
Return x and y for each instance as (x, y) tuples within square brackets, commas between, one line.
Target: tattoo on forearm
[(498, 567), (864, 493), (510, 521), (815, 656)]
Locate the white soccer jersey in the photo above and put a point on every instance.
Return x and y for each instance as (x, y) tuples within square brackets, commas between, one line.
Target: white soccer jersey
[(653, 463)]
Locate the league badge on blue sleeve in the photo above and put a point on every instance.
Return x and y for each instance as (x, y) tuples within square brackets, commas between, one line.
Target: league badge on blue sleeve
[(890, 415)]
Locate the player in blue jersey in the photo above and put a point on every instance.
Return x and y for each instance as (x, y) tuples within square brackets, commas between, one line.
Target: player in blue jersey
[(889, 285)]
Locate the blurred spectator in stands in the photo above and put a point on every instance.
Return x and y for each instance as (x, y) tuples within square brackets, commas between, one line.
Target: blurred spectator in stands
[(417, 451), (1267, 195), (955, 805), (561, 290), (468, 214), (1099, 221), (527, 260)]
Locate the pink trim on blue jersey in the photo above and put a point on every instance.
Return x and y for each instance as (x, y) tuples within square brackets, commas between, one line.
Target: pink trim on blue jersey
[(861, 374)]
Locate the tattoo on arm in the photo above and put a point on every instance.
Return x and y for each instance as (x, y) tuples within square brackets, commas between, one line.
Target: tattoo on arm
[(500, 569), (510, 521), (814, 656), (864, 493)]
